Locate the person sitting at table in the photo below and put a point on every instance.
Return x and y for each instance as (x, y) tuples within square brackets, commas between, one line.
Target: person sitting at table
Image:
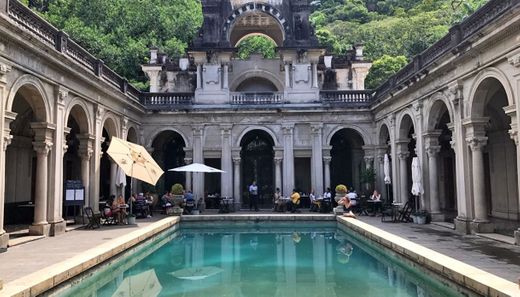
[(279, 203), (141, 206), (189, 202), (347, 207), (315, 203), (295, 201), (167, 202), (352, 195), (119, 209), (376, 204)]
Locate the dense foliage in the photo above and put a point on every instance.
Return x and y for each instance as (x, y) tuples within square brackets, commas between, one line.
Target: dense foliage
[(120, 32), (393, 31), (257, 44)]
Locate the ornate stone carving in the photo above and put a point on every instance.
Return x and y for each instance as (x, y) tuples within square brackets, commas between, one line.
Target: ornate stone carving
[(237, 161), (327, 160), (316, 128), (99, 111), (514, 60), (63, 94), (454, 93), (198, 130), (188, 161), (42, 148), (278, 160), (433, 150), (287, 129), (225, 129), (403, 155), (7, 139), (4, 69), (514, 135), (476, 143)]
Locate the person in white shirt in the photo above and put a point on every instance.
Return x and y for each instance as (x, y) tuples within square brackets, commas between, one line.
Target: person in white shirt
[(327, 195), (253, 196), (352, 196)]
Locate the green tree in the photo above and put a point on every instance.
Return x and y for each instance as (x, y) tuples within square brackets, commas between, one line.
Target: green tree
[(256, 45), (383, 68), (120, 32)]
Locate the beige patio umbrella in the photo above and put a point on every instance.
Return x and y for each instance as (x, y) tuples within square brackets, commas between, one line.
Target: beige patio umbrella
[(135, 161), (144, 284)]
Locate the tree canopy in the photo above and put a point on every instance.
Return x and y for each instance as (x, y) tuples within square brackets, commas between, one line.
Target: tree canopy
[(256, 44), (120, 32)]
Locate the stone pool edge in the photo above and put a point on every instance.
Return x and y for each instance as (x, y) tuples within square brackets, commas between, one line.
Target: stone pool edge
[(468, 276), (50, 277)]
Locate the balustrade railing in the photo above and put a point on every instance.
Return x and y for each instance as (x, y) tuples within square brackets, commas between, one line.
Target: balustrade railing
[(25, 17), (245, 98), (166, 100), (346, 97), (81, 55)]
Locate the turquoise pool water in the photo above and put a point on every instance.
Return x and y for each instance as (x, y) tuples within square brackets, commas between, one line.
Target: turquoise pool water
[(257, 260)]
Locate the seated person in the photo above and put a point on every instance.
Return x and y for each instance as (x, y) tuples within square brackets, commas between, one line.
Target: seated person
[(279, 203), (352, 195), (376, 206), (295, 201), (189, 202), (347, 207), (141, 206), (167, 202), (315, 203), (326, 204), (119, 209)]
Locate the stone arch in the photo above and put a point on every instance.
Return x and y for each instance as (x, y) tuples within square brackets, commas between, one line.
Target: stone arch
[(255, 34), (257, 73), (79, 110), (251, 128), (255, 8), (382, 132), (434, 110), (156, 133), (478, 93), (362, 132), (131, 134), (111, 124), (405, 121), (34, 92)]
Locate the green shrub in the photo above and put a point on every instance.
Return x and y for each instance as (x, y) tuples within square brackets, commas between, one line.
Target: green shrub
[(341, 189), (177, 189)]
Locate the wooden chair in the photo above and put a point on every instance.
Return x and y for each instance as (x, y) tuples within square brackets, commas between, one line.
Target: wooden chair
[(93, 218)]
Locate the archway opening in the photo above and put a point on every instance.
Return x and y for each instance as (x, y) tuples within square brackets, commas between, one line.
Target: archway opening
[(347, 159), (21, 205), (256, 43), (406, 152), (257, 156), (71, 164), (257, 85), (500, 172), (256, 22), (168, 152)]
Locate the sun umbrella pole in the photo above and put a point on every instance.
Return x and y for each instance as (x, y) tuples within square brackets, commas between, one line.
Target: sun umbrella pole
[(131, 180)]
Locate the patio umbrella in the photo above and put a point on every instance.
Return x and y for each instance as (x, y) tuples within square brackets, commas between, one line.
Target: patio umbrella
[(196, 273), (387, 180), (197, 167), (417, 188), (135, 161), (145, 284)]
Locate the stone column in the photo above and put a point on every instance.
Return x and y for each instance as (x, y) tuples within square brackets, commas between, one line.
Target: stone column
[(288, 159), (317, 159), (96, 169), (199, 76), (85, 152), (479, 190), (381, 175), (511, 111), (326, 162), (315, 75), (226, 180), (188, 183), (236, 183), (287, 68), (198, 178), (403, 176), (42, 145), (433, 152), (5, 141), (278, 172), (225, 80)]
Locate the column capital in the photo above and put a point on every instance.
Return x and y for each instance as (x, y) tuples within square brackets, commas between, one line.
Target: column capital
[(188, 161), (316, 128), (198, 130), (381, 158), (433, 150), (4, 69), (7, 139), (514, 60), (368, 159), (62, 94), (278, 160), (454, 92), (476, 143), (327, 159), (514, 135), (42, 148), (99, 110), (225, 129), (403, 155), (237, 161), (288, 129)]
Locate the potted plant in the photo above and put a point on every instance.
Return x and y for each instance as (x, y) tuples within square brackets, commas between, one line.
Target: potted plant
[(419, 217), (341, 191), (367, 177), (178, 198)]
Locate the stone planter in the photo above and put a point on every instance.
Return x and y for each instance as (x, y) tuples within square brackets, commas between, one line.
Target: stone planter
[(178, 200), (421, 220), (131, 220)]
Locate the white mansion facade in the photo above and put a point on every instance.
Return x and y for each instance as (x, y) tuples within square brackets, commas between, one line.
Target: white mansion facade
[(300, 121)]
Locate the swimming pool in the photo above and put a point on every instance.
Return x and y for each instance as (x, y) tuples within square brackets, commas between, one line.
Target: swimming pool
[(258, 259)]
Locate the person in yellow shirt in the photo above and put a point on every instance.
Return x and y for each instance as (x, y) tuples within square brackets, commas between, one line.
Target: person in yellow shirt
[(295, 201)]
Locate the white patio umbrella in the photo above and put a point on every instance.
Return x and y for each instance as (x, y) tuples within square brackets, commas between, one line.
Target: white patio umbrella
[(387, 180), (144, 284), (121, 179), (196, 273), (197, 167), (417, 187)]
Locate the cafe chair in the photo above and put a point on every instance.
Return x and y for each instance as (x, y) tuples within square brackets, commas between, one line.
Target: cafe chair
[(93, 218)]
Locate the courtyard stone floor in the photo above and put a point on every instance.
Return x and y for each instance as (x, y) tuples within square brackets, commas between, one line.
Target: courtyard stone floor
[(498, 258)]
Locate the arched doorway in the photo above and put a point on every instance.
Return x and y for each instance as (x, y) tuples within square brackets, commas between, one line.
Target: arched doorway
[(406, 152), (500, 196), (441, 163), (253, 21), (26, 167), (168, 152), (257, 157), (347, 158), (108, 168)]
